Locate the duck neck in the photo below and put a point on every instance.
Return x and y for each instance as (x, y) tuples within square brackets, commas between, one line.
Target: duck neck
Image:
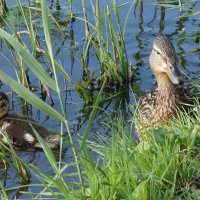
[(164, 82), (167, 91)]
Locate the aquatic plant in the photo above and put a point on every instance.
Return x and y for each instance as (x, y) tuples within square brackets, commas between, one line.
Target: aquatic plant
[(109, 44), (18, 48)]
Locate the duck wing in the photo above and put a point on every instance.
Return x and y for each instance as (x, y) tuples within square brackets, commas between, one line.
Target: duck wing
[(188, 96)]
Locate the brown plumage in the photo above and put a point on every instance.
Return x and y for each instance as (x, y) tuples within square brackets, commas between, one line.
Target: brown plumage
[(20, 131), (160, 106)]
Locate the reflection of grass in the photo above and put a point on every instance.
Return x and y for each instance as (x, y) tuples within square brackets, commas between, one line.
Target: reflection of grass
[(166, 166), (186, 8)]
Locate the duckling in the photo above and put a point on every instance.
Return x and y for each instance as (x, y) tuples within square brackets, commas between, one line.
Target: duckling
[(160, 106), (20, 131)]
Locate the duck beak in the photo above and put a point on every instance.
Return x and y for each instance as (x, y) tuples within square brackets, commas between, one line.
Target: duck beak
[(174, 74)]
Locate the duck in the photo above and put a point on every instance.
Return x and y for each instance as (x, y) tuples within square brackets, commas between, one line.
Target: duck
[(162, 104), (19, 129)]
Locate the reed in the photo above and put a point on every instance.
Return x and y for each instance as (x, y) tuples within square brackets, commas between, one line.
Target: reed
[(108, 40), (26, 58), (17, 164)]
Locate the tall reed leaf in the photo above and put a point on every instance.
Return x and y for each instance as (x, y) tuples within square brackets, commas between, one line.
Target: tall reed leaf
[(45, 20), (28, 59), (47, 150), (47, 33), (92, 116), (29, 96)]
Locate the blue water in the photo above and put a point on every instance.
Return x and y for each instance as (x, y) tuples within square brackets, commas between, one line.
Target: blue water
[(146, 20)]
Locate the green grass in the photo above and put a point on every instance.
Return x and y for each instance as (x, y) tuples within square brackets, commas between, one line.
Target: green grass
[(108, 42), (164, 167)]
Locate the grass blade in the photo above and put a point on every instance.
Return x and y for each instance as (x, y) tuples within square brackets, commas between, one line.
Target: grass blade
[(29, 96), (28, 59)]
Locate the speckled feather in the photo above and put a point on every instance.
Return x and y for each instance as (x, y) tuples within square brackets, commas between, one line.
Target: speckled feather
[(148, 104), (159, 108)]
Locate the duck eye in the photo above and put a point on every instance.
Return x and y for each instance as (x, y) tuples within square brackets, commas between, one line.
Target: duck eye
[(158, 53)]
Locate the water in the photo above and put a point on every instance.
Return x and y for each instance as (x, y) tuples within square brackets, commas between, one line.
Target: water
[(147, 19)]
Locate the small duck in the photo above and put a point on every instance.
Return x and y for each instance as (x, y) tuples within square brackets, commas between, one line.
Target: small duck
[(160, 106), (20, 131)]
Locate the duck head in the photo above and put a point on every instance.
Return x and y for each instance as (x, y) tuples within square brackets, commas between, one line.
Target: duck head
[(163, 61), (4, 105)]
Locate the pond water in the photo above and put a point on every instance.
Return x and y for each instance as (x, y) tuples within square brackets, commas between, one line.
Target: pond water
[(147, 19)]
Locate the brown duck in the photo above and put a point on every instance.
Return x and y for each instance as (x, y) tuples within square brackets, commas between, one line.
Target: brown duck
[(161, 105), (20, 131)]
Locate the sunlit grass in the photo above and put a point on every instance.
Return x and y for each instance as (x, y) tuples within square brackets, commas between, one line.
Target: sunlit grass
[(163, 167)]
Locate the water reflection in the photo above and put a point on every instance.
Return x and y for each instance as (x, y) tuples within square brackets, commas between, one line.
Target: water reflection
[(147, 20)]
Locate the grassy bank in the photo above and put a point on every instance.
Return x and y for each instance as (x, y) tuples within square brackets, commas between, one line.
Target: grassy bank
[(166, 166)]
